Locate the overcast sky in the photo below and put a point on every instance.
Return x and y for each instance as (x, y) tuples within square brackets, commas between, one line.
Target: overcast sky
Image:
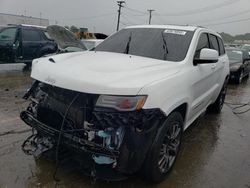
[(231, 16)]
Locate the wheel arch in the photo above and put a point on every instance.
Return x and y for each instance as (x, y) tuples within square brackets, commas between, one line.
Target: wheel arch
[(182, 109)]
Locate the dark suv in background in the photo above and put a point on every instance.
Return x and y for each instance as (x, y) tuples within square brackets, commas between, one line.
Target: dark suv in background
[(23, 43)]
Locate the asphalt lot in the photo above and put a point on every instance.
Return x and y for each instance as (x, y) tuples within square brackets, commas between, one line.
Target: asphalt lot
[(215, 151)]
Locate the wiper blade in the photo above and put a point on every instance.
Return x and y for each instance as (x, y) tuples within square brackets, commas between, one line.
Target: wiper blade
[(128, 44), (165, 47)]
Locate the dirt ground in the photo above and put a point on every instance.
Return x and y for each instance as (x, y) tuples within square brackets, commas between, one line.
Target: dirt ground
[(215, 151)]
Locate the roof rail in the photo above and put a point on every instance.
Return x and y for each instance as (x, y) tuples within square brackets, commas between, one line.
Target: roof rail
[(27, 25)]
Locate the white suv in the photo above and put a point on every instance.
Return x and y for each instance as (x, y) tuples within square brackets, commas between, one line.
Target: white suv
[(126, 103)]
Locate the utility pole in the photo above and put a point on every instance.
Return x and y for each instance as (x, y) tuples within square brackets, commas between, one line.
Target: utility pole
[(25, 16), (150, 15), (40, 18), (120, 4)]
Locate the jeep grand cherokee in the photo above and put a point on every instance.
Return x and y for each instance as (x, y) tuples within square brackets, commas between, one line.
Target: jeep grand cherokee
[(126, 104)]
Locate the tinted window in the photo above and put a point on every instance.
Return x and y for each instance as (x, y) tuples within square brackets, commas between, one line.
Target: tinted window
[(163, 44), (8, 34), (30, 35), (213, 42), (221, 45), (245, 55), (202, 43), (246, 47)]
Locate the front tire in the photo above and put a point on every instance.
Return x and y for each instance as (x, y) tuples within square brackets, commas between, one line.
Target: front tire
[(165, 148)]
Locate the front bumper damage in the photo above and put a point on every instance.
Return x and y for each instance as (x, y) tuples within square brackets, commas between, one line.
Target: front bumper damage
[(107, 137)]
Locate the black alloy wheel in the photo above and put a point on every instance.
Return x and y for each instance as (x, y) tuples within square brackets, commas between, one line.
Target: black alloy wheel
[(164, 151)]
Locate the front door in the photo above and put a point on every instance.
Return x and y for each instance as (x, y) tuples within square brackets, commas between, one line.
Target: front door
[(31, 43), (203, 81)]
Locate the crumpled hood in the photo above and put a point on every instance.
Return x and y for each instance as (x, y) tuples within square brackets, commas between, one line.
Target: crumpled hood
[(101, 72), (63, 37)]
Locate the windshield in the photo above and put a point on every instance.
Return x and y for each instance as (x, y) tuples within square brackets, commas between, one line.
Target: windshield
[(63, 37), (8, 34), (163, 44), (234, 55)]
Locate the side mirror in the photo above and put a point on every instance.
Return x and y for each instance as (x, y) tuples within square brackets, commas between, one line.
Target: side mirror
[(207, 56)]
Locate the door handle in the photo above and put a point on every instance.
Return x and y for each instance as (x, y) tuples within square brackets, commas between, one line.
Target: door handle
[(213, 66)]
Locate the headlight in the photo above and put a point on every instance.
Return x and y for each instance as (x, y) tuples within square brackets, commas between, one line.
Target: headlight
[(122, 103)]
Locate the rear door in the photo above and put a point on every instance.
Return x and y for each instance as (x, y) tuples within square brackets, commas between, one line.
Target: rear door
[(31, 43)]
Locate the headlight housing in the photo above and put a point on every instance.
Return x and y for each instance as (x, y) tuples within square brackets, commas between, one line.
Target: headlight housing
[(121, 103)]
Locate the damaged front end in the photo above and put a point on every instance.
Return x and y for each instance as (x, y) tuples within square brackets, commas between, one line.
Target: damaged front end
[(116, 139)]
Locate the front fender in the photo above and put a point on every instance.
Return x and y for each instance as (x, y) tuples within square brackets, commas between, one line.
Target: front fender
[(167, 94)]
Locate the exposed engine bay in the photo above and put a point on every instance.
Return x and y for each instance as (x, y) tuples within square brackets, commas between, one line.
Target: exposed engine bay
[(71, 119)]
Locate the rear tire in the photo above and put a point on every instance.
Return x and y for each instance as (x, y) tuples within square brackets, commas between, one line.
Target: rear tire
[(165, 149), (239, 77), (247, 76), (216, 107)]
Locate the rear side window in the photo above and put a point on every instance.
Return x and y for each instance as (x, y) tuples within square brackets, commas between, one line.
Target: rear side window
[(245, 55), (221, 46), (202, 43), (214, 42), (31, 35)]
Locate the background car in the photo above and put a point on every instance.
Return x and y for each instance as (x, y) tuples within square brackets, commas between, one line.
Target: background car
[(23, 43), (2, 26), (239, 64), (247, 48), (233, 45)]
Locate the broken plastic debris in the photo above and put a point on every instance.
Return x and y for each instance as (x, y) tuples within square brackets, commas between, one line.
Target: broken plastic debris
[(103, 160), (103, 134)]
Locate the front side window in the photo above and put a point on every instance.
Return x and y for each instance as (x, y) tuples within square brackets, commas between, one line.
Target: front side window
[(30, 35), (202, 43), (214, 43), (8, 34), (157, 43)]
